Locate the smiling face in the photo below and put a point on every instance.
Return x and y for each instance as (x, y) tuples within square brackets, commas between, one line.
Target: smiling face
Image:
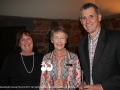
[(26, 43), (90, 20), (59, 40)]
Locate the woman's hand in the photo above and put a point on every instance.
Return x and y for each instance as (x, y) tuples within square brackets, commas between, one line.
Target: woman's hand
[(81, 87), (59, 83)]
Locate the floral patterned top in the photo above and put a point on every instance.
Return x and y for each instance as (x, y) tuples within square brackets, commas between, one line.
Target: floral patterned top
[(70, 73)]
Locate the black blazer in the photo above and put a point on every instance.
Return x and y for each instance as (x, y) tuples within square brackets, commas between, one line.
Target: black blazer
[(106, 63)]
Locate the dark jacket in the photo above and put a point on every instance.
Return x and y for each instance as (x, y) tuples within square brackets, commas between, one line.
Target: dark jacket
[(106, 63)]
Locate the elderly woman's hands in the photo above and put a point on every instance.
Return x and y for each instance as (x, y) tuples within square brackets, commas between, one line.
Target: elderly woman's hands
[(59, 83)]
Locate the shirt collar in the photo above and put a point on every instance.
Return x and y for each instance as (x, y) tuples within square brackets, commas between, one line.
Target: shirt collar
[(95, 37)]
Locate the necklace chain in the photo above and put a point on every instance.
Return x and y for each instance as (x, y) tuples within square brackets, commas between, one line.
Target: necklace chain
[(25, 65)]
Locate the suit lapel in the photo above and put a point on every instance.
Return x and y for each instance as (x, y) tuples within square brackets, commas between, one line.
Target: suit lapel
[(99, 47), (86, 63), (86, 52)]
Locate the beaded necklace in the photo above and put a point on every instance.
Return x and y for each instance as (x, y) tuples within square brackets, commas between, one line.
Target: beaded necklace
[(25, 65)]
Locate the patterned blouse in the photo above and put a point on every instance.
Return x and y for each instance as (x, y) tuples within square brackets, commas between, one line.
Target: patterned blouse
[(70, 73)]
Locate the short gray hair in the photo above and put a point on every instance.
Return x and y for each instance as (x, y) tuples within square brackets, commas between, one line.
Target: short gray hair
[(89, 5), (58, 29)]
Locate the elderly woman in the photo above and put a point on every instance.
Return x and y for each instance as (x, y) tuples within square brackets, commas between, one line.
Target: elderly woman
[(61, 68), (23, 66)]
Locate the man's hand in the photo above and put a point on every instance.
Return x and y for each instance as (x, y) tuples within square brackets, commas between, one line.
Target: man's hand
[(90, 87)]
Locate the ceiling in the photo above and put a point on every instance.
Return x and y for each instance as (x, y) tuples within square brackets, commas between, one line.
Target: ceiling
[(55, 9)]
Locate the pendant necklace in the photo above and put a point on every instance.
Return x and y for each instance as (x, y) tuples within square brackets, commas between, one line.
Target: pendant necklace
[(25, 65)]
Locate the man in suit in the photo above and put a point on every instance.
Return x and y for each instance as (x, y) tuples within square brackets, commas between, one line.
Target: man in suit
[(99, 52)]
